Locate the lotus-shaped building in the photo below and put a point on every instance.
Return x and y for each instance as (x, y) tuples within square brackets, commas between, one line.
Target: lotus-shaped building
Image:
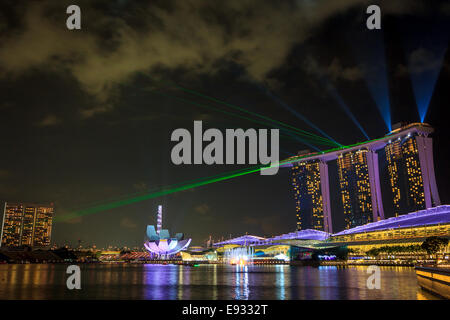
[(159, 241)]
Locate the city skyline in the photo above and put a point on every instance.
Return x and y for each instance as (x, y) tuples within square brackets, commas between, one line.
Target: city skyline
[(86, 119), (408, 164)]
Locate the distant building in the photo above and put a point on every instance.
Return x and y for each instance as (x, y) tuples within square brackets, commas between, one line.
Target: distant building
[(405, 175), (26, 224), (355, 188)]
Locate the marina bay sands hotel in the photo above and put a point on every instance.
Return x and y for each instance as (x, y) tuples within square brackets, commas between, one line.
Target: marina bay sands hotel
[(410, 170)]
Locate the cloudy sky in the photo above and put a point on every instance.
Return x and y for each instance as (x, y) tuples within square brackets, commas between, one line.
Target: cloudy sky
[(83, 119)]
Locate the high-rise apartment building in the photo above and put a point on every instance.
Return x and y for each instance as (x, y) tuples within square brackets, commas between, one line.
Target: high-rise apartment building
[(26, 224)]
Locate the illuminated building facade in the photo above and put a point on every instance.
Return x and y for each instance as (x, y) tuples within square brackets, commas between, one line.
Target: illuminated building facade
[(26, 224), (354, 182), (409, 151), (308, 195), (408, 229), (160, 243), (205, 255), (405, 175), (312, 194)]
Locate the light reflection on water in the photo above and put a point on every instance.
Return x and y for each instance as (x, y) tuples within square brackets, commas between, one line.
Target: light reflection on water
[(280, 282), (205, 282), (242, 290)]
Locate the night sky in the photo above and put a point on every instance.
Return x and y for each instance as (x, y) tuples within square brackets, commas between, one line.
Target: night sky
[(82, 117)]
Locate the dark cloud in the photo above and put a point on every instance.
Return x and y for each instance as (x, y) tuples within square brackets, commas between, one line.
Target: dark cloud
[(126, 222), (49, 120), (336, 71), (194, 35), (422, 60), (202, 209)]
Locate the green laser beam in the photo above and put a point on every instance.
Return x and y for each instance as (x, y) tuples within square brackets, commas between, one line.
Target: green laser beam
[(120, 203), (164, 191), (177, 184), (185, 186), (316, 140), (135, 194), (251, 112), (332, 143)]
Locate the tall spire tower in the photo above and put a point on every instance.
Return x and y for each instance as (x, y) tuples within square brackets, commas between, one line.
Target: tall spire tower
[(159, 220)]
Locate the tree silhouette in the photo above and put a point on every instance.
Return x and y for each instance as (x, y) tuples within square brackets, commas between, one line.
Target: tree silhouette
[(432, 245)]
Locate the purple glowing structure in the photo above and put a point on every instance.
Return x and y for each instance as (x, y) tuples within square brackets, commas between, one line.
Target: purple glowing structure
[(431, 216), (249, 240), (242, 241), (308, 234), (159, 241)]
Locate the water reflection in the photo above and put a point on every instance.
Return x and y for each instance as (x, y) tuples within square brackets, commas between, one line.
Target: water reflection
[(136, 281), (180, 283), (242, 290), (280, 282), (161, 282), (215, 292), (328, 278)]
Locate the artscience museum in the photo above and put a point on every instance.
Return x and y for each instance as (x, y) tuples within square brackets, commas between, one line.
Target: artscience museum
[(159, 241), (162, 244)]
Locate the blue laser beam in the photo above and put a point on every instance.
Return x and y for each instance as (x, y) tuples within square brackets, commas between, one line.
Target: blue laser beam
[(335, 94), (323, 79), (425, 47), (368, 47), (297, 114), (424, 81)]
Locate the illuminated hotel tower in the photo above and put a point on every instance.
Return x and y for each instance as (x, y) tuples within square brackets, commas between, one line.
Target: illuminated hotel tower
[(26, 224), (406, 176), (409, 151), (359, 184), (312, 198)]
